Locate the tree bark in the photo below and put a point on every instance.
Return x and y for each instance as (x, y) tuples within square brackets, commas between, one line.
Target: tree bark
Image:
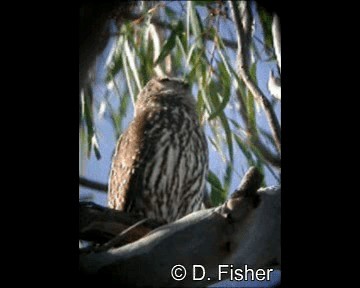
[(239, 232)]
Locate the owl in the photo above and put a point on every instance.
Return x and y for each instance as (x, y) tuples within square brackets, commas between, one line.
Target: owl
[(160, 163)]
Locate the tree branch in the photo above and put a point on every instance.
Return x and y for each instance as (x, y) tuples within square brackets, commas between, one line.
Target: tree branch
[(245, 230), (270, 157), (247, 19), (93, 184), (253, 88), (236, 233), (164, 25), (101, 224)]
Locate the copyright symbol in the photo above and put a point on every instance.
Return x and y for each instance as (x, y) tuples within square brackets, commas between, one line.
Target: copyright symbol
[(178, 272)]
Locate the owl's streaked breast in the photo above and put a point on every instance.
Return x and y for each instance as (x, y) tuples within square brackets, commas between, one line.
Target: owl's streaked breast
[(160, 165)]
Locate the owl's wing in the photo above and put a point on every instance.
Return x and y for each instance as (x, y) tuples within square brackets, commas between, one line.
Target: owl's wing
[(128, 165), (140, 149)]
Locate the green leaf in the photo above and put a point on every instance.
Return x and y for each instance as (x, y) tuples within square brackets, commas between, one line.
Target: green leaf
[(170, 12), (220, 107), (200, 107), (218, 194), (145, 52), (252, 71), (190, 54), (225, 87), (230, 70), (251, 112), (194, 60), (82, 149), (128, 79), (260, 166), (228, 135), (227, 177), (265, 22), (223, 118), (196, 25), (168, 46), (115, 63), (88, 115), (130, 57), (202, 3), (203, 93), (245, 150)]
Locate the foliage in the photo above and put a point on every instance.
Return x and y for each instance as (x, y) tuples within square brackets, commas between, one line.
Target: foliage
[(194, 40)]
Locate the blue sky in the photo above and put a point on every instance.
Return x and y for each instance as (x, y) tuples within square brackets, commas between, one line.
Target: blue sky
[(98, 170)]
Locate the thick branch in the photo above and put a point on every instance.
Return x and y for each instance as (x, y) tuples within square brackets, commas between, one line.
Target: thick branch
[(100, 224), (236, 233), (253, 88), (243, 231), (249, 184)]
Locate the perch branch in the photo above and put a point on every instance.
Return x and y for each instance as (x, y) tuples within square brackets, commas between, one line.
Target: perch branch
[(245, 230), (100, 224), (253, 88)]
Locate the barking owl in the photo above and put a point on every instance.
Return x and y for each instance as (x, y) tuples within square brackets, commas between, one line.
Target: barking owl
[(160, 163)]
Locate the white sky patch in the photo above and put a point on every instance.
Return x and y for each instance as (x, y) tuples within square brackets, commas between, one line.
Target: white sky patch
[(102, 109), (274, 86), (111, 53), (110, 85)]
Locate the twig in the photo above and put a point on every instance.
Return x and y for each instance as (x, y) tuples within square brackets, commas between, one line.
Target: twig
[(165, 25), (117, 240), (246, 16), (254, 89), (272, 159), (93, 184)]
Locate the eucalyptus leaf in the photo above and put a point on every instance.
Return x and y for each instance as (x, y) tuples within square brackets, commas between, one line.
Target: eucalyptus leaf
[(218, 194), (168, 46)]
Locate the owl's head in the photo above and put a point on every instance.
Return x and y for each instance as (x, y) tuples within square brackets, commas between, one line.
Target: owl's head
[(162, 89), (166, 85)]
